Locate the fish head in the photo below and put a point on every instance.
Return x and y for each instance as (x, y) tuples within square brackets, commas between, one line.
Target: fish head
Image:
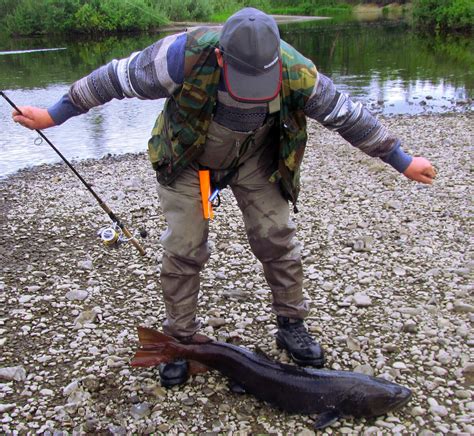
[(377, 397)]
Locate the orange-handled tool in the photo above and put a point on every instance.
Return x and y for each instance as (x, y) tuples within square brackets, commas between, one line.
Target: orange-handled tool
[(205, 184)]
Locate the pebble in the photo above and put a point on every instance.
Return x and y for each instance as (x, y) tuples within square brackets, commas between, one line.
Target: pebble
[(7, 407), (364, 369), (138, 411), (439, 410), (362, 300), (77, 294), (410, 327), (444, 357), (85, 264), (84, 318), (17, 373), (461, 307), (216, 322), (70, 388)]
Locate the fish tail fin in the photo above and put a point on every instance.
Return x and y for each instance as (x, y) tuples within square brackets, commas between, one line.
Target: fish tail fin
[(156, 348), (147, 336)]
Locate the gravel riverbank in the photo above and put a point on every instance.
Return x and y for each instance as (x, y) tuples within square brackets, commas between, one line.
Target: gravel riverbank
[(388, 266)]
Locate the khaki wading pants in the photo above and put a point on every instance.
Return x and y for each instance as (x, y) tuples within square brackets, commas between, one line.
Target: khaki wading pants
[(270, 232)]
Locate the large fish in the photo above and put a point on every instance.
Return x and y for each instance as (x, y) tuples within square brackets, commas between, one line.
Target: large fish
[(330, 394)]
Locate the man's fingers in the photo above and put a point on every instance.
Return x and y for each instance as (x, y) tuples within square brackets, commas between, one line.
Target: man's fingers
[(430, 172), (25, 122), (425, 179)]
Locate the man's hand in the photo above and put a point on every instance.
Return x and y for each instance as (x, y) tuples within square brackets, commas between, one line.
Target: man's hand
[(33, 118), (420, 170)]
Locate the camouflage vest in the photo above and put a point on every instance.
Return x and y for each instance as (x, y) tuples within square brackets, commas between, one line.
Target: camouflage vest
[(180, 131)]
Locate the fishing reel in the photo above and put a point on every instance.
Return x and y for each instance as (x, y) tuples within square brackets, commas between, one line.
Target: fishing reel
[(113, 236)]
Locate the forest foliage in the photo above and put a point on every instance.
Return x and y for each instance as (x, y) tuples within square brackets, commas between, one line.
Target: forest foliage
[(30, 17)]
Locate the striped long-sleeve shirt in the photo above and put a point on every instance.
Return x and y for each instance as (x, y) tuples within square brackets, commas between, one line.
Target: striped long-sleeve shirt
[(158, 71)]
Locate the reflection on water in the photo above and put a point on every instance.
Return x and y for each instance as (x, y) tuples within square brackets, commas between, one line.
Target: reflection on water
[(383, 64)]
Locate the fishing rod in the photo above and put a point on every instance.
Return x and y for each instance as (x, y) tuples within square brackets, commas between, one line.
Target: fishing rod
[(111, 236)]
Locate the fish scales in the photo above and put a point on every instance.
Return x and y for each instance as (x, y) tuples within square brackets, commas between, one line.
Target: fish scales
[(292, 389), (330, 394)]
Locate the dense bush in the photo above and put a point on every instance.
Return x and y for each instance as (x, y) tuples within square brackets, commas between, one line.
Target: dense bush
[(27, 17), (185, 10), (444, 15)]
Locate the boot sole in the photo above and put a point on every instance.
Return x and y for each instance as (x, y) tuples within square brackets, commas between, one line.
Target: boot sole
[(317, 363)]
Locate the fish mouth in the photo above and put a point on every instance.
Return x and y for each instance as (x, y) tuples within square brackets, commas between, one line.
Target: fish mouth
[(402, 397)]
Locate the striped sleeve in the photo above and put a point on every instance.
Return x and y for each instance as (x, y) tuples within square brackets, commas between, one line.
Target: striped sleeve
[(336, 111), (153, 73)]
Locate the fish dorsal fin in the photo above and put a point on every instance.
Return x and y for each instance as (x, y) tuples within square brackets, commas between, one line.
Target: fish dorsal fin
[(259, 352), (327, 418), (148, 336)]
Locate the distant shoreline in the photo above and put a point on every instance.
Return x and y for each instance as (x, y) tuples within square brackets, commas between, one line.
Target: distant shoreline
[(280, 19)]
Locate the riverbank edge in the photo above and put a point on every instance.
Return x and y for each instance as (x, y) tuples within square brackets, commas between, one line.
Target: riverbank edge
[(31, 171)]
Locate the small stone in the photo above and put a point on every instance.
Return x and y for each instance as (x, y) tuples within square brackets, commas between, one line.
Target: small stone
[(189, 401), (361, 300), (85, 264), (410, 327), (140, 410), (16, 373), (85, 317), (393, 204), (443, 357), (7, 407), (117, 430), (364, 369), (461, 307), (418, 411), (77, 294), (439, 410), (462, 394), (399, 271), (70, 388), (25, 299), (390, 348), (353, 344), (216, 322), (328, 286), (363, 244), (163, 428)]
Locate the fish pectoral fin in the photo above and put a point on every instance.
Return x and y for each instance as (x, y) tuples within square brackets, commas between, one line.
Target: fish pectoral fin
[(327, 418), (236, 388), (196, 367)]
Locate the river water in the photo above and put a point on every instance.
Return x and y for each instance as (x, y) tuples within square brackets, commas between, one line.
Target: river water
[(381, 63)]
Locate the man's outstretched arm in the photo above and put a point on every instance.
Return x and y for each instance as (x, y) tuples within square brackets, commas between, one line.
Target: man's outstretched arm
[(153, 73), (354, 122)]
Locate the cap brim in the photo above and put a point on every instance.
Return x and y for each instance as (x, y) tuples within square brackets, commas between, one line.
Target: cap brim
[(248, 88)]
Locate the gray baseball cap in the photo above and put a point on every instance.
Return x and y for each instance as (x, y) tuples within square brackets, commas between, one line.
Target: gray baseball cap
[(250, 43)]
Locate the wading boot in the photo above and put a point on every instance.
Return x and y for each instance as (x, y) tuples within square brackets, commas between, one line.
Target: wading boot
[(295, 339), (173, 373)]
